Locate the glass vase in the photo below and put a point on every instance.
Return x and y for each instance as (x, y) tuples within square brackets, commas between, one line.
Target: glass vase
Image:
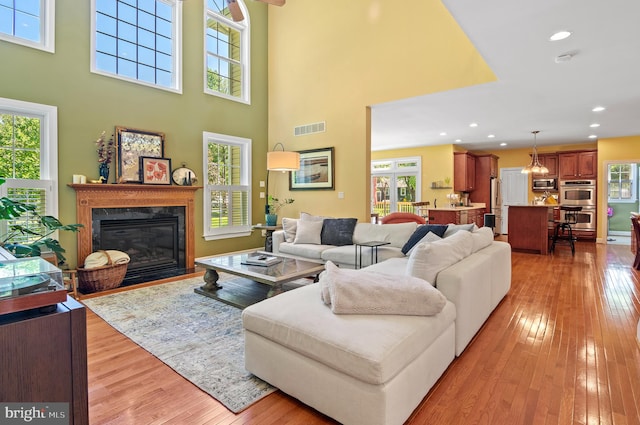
[(104, 172)]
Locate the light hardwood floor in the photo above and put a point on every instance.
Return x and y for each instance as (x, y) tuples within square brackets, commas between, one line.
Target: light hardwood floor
[(560, 349)]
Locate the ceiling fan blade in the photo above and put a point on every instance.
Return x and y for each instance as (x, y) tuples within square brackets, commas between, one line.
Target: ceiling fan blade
[(274, 2), (234, 10)]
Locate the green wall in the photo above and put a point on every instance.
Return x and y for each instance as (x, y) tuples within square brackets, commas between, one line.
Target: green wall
[(90, 103)]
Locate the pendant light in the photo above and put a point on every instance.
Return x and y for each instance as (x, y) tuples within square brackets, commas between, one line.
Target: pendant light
[(535, 166)]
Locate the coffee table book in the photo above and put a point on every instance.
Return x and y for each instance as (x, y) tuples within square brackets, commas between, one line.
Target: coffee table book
[(261, 259)]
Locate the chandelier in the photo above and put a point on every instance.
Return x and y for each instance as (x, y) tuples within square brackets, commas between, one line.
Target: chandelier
[(535, 166)]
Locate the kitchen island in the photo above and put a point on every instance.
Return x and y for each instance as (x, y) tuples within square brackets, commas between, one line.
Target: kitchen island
[(528, 228), (457, 215)]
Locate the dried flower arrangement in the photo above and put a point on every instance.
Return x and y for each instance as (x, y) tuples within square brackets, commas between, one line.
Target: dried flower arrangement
[(105, 149)]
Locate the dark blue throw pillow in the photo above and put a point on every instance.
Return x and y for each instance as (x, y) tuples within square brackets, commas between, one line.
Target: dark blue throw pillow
[(421, 232), (338, 231)]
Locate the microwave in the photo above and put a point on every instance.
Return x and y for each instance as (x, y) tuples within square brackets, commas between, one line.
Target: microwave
[(544, 184)]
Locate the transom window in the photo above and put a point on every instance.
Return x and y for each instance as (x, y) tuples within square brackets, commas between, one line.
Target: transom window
[(227, 191), (28, 160), (227, 52), (29, 23), (621, 179), (138, 40)]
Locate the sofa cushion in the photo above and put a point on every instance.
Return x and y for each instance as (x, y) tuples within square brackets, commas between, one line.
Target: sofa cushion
[(397, 234), (421, 231), (290, 227), (308, 232), (453, 228), (346, 254), (429, 237), (338, 231), (429, 258), (370, 348), (308, 251), (482, 237)]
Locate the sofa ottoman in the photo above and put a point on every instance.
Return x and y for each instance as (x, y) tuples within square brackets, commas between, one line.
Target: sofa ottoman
[(357, 369)]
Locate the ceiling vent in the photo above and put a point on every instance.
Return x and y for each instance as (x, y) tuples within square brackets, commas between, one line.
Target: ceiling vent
[(316, 127)]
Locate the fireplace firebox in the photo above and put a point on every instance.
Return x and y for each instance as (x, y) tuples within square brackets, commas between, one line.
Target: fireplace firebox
[(153, 237)]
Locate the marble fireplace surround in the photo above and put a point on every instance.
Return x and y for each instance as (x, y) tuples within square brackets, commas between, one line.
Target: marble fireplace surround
[(90, 196)]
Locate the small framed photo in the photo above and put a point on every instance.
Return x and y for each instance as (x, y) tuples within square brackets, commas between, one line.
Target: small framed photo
[(155, 170), (316, 170), (133, 144)]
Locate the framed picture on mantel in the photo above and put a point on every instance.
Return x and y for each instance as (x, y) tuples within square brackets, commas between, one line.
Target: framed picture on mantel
[(133, 144)]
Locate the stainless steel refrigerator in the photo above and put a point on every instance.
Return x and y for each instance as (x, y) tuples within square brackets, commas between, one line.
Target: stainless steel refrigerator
[(496, 203)]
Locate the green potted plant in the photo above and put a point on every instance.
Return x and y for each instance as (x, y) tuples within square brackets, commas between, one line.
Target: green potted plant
[(39, 240), (275, 205)]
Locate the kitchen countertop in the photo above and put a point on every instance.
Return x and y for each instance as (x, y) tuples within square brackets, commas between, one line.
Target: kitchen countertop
[(448, 208)]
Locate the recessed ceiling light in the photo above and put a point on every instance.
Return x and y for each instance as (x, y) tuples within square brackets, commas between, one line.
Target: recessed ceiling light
[(491, 136), (503, 144), (594, 125), (458, 140), (598, 109), (560, 35), (473, 124), (443, 134), (593, 136)]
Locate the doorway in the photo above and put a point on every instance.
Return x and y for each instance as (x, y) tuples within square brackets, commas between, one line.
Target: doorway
[(513, 191), (623, 195)]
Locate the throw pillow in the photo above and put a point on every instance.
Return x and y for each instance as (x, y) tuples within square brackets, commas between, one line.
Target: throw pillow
[(482, 237), (421, 231), (309, 217), (290, 226), (428, 259), (338, 231), (429, 237), (308, 232), (453, 228)]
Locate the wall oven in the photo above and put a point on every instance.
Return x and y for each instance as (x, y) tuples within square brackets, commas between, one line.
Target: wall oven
[(586, 218), (578, 193)]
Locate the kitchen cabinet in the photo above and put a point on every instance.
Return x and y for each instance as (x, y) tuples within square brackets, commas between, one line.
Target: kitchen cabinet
[(578, 165), (549, 160), (464, 172), (486, 168), (44, 358), (528, 228), (457, 216)]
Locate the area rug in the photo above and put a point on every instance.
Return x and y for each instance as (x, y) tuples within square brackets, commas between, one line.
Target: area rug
[(198, 337)]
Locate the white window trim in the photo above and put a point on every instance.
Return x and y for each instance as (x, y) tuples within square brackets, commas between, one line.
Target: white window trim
[(48, 149), (392, 172), (634, 181), (47, 30), (245, 49), (177, 58), (235, 231)]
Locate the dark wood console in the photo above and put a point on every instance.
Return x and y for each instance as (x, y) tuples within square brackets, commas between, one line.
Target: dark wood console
[(44, 358)]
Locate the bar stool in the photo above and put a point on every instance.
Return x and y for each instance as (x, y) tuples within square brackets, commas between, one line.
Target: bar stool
[(563, 230)]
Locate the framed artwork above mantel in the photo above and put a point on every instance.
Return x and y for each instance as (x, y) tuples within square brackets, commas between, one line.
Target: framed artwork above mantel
[(131, 145)]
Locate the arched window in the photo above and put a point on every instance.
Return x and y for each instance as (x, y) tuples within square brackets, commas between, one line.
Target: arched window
[(226, 52)]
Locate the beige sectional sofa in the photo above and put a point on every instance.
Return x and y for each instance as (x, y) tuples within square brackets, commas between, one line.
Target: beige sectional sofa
[(345, 255), (376, 368)]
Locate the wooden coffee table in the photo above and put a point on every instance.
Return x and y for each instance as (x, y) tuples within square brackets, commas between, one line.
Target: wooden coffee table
[(244, 292)]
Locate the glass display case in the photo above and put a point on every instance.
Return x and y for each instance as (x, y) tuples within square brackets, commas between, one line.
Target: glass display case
[(27, 283)]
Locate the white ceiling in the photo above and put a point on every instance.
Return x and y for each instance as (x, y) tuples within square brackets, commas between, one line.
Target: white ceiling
[(532, 91)]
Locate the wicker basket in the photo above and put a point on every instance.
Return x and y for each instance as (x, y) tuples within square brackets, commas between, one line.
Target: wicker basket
[(101, 278)]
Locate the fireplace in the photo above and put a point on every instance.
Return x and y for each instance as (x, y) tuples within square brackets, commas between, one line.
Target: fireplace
[(153, 237), (157, 222)]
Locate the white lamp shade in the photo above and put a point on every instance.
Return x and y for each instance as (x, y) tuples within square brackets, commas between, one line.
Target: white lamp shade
[(283, 161)]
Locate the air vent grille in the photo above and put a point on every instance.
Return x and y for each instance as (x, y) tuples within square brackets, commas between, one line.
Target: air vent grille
[(316, 127)]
